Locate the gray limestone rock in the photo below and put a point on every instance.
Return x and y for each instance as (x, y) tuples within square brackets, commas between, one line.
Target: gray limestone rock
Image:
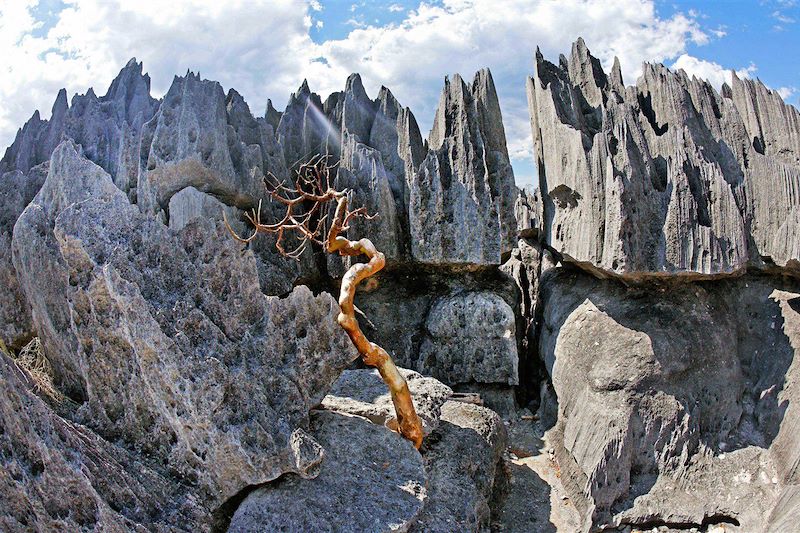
[(371, 480), (58, 475), (363, 392), (470, 338), (665, 177), (107, 128), (462, 465), (16, 192), (190, 204), (461, 200), (202, 139), (166, 340), (683, 389)]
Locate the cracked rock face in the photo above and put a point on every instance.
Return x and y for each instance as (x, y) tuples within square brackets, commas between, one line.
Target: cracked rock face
[(166, 340), (664, 177)]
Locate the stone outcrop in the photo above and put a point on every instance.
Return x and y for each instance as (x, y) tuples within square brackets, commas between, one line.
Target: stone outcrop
[(58, 475), (372, 480), (462, 464), (664, 177), (167, 341), (203, 139), (461, 205), (682, 390), (107, 128)]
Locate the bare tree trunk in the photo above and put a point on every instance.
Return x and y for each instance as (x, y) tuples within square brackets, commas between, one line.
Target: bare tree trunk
[(408, 422)]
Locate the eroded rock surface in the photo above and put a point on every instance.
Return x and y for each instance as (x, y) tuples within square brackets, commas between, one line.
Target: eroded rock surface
[(371, 480), (461, 207), (58, 475), (167, 339), (687, 389), (470, 337), (664, 177)]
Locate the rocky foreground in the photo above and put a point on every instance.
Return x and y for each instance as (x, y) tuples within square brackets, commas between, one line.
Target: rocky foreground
[(615, 351)]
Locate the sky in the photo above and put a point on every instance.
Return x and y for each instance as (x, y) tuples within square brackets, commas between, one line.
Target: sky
[(264, 49)]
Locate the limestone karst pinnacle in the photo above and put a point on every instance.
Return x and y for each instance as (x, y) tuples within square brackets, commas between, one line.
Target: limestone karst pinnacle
[(634, 320)]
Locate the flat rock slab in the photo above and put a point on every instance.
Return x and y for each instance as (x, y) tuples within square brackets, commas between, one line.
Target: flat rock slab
[(370, 480), (363, 392)]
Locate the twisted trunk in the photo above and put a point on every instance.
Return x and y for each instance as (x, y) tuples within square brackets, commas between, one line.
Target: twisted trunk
[(408, 422)]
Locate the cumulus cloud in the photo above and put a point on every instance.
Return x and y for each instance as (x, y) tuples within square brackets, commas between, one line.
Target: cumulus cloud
[(264, 49), (708, 70)]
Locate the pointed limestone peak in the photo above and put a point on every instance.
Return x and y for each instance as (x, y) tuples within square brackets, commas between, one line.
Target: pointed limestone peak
[(355, 86), (726, 91), (60, 106), (616, 76), (304, 89), (272, 115)]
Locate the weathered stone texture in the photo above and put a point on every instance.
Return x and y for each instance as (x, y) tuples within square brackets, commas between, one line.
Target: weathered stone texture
[(664, 177), (678, 388), (461, 205), (167, 340)]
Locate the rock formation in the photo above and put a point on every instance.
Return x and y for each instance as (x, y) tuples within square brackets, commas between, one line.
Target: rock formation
[(664, 177), (634, 320)]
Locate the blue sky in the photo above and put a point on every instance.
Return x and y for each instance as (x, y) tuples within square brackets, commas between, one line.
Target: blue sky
[(265, 49)]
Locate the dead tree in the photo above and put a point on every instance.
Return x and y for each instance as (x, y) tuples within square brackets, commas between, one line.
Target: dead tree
[(307, 206)]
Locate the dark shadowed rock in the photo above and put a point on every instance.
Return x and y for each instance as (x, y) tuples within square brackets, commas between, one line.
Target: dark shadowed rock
[(371, 480), (167, 339), (16, 192)]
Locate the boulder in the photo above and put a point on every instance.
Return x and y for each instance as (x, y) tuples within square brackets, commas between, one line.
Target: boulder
[(362, 392), (463, 462), (371, 480), (166, 340), (470, 337)]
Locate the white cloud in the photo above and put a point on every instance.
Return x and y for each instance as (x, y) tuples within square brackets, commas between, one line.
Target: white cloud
[(786, 92), (715, 73), (263, 49), (780, 17), (396, 8)]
